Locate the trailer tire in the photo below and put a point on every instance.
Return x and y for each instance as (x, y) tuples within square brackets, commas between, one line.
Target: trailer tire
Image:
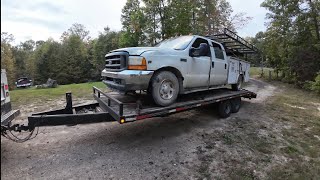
[(165, 88), (235, 105), (238, 86), (225, 109)]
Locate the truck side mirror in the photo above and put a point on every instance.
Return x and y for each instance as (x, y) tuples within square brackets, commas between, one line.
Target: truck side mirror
[(192, 52)]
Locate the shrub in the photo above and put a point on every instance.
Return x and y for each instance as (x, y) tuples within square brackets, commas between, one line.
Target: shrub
[(314, 85)]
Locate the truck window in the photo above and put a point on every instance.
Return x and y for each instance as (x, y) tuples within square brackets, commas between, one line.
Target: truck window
[(197, 43), (218, 51)]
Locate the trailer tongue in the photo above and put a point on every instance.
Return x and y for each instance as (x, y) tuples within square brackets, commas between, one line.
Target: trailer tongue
[(127, 108)]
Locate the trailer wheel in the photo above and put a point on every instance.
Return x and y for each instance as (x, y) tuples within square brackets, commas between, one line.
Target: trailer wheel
[(165, 88), (225, 109), (238, 86), (235, 105)]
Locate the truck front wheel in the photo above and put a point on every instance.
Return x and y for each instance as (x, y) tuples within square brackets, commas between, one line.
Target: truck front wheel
[(165, 88)]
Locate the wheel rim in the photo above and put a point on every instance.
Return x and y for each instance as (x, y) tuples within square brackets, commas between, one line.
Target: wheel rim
[(166, 89)]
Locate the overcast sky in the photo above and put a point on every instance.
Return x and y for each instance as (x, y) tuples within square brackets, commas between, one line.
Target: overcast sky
[(41, 19)]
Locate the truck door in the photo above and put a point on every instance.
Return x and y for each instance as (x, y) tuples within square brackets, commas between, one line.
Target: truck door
[(219, 65), (199, 67)]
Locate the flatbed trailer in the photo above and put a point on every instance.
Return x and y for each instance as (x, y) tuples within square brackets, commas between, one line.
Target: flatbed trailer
[(113, 106)]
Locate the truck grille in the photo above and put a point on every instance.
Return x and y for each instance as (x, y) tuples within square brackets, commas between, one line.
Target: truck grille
[(116, 61)]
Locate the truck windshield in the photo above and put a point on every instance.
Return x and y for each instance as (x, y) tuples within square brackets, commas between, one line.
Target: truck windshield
[(177, 43)]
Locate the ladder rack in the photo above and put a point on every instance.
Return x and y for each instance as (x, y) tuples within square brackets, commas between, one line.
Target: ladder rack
[(233, 43)]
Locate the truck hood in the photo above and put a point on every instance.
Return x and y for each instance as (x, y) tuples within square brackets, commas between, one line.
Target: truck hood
[(137, 51)]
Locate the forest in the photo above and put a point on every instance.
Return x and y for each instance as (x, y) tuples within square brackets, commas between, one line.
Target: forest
[(290, 45)]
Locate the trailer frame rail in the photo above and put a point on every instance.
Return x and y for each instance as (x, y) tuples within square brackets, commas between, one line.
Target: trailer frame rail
[(116, 108)]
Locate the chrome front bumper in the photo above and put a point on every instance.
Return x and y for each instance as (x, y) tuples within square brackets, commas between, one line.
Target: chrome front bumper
[(127, 80)]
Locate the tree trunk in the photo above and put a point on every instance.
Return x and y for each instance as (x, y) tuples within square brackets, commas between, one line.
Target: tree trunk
[(161, 13), (314, 17)]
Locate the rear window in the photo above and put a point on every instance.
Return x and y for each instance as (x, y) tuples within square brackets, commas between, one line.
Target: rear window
[(218, 51)]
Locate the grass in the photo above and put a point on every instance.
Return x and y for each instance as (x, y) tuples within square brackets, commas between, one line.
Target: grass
[(256, 72), (24, 96), (299, 109), (280, 141)]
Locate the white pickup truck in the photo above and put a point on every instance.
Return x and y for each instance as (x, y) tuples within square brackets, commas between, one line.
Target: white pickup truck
[(176, 66)]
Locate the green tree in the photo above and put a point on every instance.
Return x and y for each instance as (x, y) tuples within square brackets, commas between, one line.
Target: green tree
[(180, 21), (152, 26), (212, 16), (133, 23), (23, 53), (77, 30), (74, 67), (47, 61), (292, 42), (7, 59), (170, 18)]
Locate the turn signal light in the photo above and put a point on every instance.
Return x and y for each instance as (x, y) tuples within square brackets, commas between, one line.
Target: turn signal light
[(122, 121), (143, 65)]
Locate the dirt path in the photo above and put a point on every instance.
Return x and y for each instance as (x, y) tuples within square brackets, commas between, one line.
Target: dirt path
[(189, 145)]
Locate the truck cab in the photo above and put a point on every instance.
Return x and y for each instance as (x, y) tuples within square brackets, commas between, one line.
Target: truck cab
[(176, 66)]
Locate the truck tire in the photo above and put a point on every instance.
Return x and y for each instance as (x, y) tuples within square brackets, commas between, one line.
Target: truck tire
[(225, 109), (165, 88), (235, 105), (238, 86)]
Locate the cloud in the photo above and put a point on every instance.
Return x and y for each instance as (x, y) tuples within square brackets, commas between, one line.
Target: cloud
[(35, 20), (41, 19), (48, 7)]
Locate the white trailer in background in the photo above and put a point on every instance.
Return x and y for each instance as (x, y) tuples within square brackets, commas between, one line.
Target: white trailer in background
[(7, 114)]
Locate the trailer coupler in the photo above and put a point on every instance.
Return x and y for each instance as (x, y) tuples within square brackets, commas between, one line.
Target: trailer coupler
[(16, 128)]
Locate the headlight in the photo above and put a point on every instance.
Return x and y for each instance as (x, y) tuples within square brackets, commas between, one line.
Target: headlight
[(137, 63)]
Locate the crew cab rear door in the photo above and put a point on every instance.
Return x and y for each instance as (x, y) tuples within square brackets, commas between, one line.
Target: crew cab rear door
[(219, 65), (198, 67)]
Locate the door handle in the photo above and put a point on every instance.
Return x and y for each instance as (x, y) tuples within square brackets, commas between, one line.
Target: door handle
[(225, 66)]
